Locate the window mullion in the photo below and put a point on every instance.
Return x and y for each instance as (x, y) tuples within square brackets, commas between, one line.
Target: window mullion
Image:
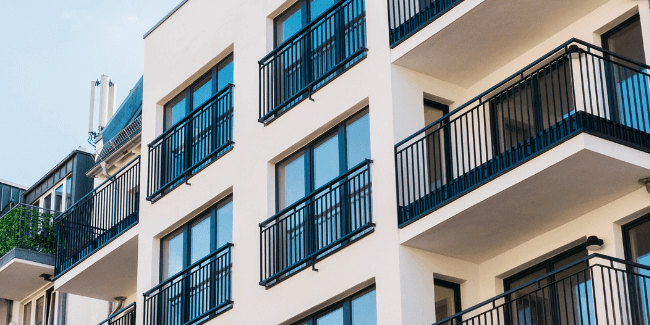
[(347, 312)]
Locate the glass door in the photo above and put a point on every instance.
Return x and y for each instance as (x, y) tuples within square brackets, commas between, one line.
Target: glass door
[(636, 236), (627, 83)]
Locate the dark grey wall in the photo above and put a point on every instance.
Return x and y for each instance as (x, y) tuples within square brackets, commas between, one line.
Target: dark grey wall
[(9, 194)]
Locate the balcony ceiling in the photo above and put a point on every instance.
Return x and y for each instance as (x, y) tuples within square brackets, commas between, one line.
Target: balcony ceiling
[(108, 273), (487, 37), (20, 271), (556, 195)]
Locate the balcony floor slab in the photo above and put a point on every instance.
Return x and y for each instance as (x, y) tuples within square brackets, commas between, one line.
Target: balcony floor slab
[(20, 271)]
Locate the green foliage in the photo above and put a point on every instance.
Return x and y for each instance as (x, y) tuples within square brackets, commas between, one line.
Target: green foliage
[(27, 228)]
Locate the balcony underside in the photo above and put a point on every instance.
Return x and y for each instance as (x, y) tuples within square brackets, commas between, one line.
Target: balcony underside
[(486, 38), (560, 185), (20, 271), (107, 273)]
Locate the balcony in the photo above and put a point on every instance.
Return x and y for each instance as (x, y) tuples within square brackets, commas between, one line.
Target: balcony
[(99, 219), (124, 316), (407, 17), (26, 250), (316, 226), (200, 292), (193, 143), (323, 50), (597, 289), (576, 88)]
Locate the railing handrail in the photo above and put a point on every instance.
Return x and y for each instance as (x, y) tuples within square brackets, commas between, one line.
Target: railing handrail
[(337, 6), (520, 73), (364, 163), (117, 313), (189, 268), (194, 112), (32, 207), (511, 291), (100, 187)]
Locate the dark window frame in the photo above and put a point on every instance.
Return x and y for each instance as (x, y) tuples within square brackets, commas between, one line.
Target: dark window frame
[(345, 303), (456, 288), (626, 234), (187, 92), (547, 263), (186, 231), (340, 131), (306, 18)]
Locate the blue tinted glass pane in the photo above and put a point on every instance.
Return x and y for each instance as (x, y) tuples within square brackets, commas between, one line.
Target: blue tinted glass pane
[(224, 224), (225, 74), (326, 161), (202, 91), (289, 23), (200, 240), (173, 255), (318, 7), (364, 310), (175, 111), (291, 180), (358, 140), (333, 318)]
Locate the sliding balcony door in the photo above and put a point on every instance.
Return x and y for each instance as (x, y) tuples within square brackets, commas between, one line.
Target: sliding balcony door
[(627, 84), (566, 298), (636, 237)]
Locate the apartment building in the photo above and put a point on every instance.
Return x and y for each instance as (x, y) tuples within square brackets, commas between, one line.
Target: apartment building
[(370, 162), (11, 194)]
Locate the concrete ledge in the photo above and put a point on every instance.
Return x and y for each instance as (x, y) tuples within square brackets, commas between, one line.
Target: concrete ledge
[(28, 255)]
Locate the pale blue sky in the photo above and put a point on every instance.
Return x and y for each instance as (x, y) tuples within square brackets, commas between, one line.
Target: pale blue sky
[(49, 53)]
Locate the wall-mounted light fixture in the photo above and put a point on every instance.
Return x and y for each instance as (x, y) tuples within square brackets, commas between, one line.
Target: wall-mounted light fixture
[(594, 243), (645, 182)]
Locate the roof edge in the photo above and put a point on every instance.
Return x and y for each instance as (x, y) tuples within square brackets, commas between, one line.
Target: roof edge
[(164, 18), (61, 163)]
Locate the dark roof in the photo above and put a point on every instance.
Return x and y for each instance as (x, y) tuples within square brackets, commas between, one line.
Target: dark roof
[(55, 169)]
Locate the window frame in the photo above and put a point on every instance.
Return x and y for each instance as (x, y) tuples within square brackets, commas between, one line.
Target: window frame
[(306, 18), (455, 287), (308, 152), (345, 303), (626, 234), (186, 231), (188, 91), (40, 201)]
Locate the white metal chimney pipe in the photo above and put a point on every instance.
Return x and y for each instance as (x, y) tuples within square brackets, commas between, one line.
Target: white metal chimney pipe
[(92, 106), (103, 102), (112, 92)]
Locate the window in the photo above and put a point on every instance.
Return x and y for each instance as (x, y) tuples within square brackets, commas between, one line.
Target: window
[(360, 309), (197, 239), (27, 314), (68, 192), (58, 198), (47, 202), (439, 156), (196, 95), (447, 295), (625, 81), (298, 16), (536, 306), (40, 310), (342, 148)]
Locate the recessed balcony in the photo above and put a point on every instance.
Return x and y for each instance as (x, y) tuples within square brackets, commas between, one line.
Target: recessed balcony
[(570, 132), (26, 250)]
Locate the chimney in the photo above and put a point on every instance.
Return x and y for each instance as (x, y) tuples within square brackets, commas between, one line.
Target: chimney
[(103, 102), (93, 84), (112, 100)]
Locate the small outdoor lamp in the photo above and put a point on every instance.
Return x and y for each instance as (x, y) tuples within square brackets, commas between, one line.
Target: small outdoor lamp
[(645, 182), (594, 243)]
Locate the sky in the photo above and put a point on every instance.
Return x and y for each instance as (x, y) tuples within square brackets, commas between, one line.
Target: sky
[(49, 53)]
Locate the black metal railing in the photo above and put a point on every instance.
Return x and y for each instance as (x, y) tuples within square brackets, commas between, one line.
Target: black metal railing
[(327, 219), (575, 88), (28, 227), (191, 144), (406, 17), (596, 289), (124, 316), (99, 217), (304, 63), (196, 294)]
